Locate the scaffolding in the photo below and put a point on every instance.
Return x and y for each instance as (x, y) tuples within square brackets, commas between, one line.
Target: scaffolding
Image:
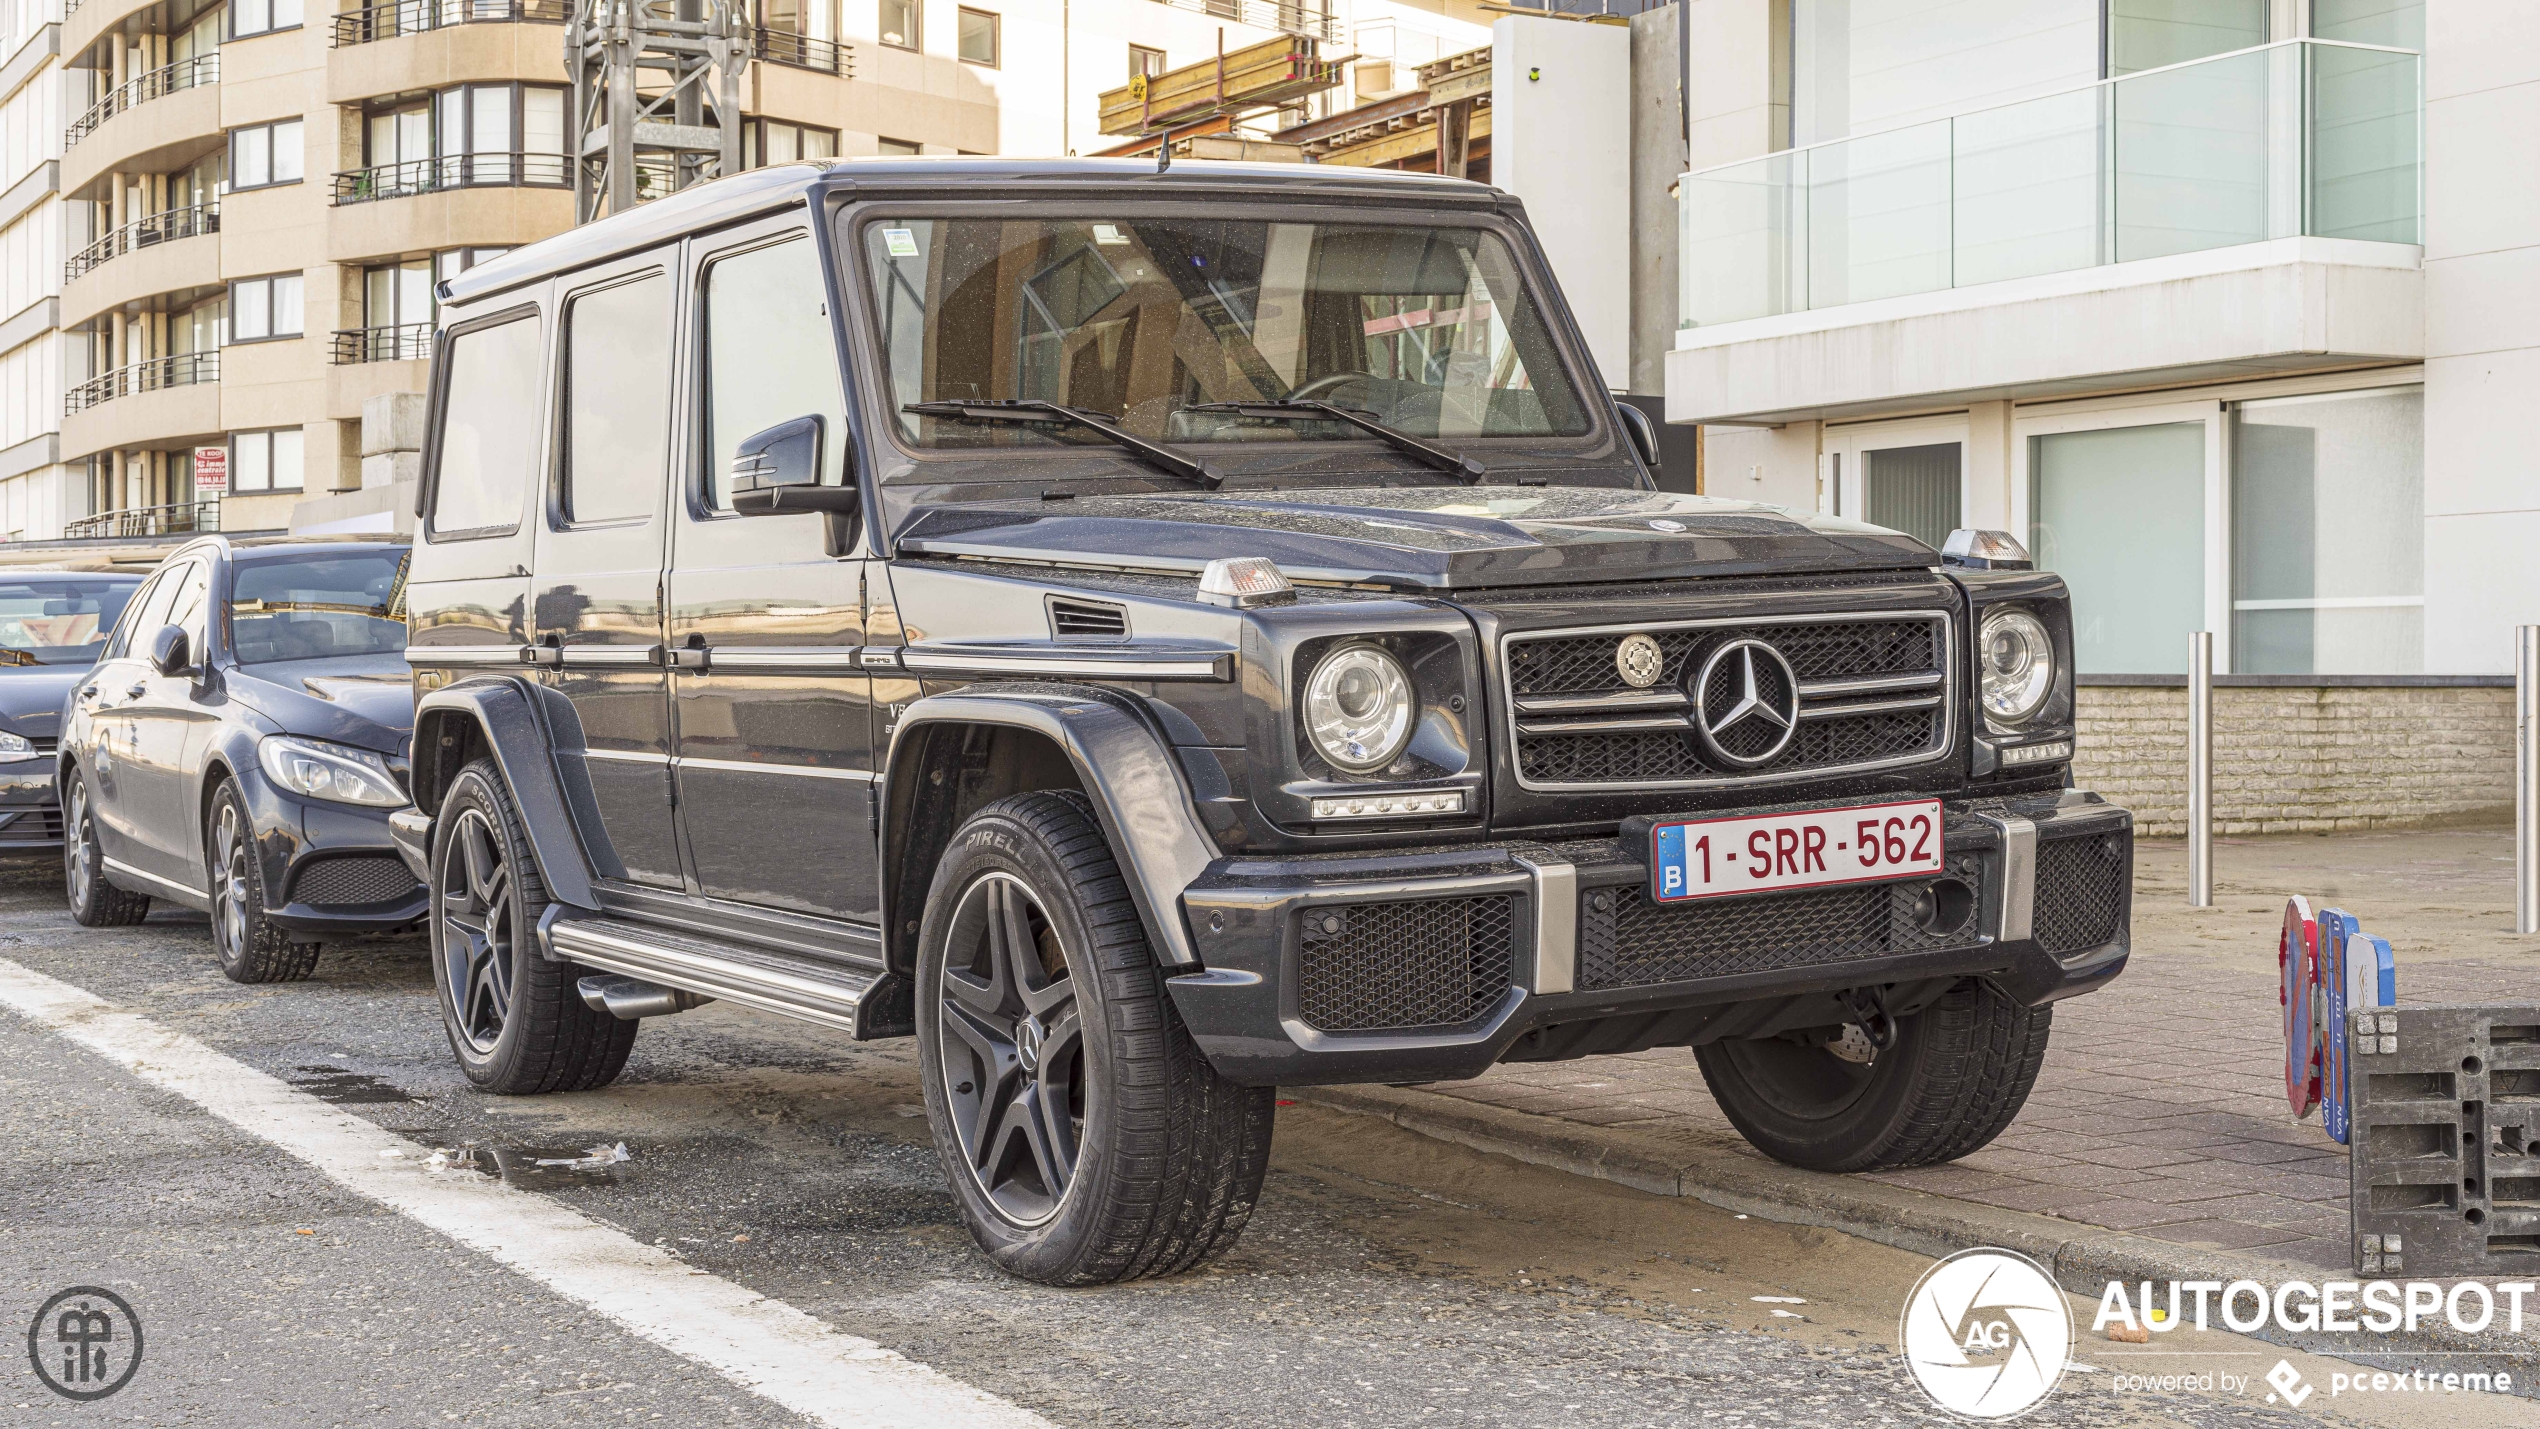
[(656, 98)]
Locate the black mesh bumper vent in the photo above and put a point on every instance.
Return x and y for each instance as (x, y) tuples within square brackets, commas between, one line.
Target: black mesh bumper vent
[(351, 882), (2082, 892), (1391, 967), (1633, 942)]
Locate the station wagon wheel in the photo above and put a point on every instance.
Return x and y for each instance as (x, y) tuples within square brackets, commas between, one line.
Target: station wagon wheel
[(474, 895), (1013, 1049), (251, 946), (95, 903)]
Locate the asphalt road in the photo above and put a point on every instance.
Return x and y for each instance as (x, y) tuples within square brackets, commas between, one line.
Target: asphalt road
[(1386, 1280)]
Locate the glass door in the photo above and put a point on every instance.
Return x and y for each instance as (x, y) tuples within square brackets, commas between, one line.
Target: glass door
[(1906, 476)]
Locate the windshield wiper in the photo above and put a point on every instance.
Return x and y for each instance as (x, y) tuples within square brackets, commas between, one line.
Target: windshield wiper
[(1026, 409), (1291, 409)]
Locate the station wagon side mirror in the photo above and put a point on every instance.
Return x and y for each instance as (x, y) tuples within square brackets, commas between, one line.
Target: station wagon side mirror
[(1642, 431), (777, 472), (169, 652)]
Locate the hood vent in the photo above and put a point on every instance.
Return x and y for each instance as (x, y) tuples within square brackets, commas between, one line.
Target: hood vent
[(1087, 620)]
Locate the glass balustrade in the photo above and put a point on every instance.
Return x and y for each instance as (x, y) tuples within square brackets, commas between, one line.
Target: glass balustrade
[(2304, 137)]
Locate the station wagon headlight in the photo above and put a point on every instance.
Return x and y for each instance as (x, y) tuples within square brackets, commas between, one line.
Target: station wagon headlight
[(16, 746), (1358, 708), (2016, 660), (335, 772)]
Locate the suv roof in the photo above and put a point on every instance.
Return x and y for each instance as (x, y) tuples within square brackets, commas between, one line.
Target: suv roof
[(745, 195)]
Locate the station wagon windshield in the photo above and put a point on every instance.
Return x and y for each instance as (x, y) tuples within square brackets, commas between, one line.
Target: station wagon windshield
[(295, 605), (1430, 331)]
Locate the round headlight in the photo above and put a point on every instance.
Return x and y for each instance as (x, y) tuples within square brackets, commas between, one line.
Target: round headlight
[(1358, 708), (2017, 661)]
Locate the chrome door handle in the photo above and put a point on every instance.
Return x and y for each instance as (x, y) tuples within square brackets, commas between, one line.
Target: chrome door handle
[(690, 657), (136, 691)]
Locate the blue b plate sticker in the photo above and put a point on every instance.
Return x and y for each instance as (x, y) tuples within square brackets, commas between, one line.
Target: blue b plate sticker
[(1763, 853)]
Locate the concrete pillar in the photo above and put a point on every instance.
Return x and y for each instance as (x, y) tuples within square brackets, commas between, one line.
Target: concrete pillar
[(1737, 79), (1658, 159), (1989, 467)]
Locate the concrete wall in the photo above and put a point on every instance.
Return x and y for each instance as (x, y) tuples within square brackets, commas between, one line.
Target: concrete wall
[(1737, 79), (2482, 329), (2308, 758), (1561, 139)]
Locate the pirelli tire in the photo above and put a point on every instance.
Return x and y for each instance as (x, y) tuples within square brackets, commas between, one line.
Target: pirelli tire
[(1085, 1137), (1958, 1073)]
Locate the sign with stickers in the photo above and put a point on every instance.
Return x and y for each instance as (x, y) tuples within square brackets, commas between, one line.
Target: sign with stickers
[(2297, 971), (2327, 968)]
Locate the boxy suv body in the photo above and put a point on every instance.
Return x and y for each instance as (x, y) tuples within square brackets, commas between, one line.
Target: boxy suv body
[(1156, 637)]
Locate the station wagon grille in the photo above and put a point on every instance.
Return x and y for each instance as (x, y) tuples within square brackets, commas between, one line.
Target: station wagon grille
[(1874, 691)]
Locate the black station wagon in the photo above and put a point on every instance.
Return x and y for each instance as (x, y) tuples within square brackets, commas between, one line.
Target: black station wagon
[(1157, 637)]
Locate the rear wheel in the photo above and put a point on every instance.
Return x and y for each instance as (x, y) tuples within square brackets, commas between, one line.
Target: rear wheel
[(95, 903), (514, 1018), (1959, 1072), (251, 948), (1086, 1139)]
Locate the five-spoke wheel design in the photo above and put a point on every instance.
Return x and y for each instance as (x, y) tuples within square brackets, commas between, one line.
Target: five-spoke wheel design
[(1013, 1049), (230, 891), (472, 909)]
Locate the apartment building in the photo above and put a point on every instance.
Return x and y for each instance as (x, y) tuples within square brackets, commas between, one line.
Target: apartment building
[(2228, 308), (35, 494)]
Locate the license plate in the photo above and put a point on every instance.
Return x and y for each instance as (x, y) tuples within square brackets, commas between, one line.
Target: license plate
[(1706, 858)]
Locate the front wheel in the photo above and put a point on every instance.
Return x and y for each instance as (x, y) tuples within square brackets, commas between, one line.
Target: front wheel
[(251, 948), (1086, 1139), (1960, 1070), (95, 903)]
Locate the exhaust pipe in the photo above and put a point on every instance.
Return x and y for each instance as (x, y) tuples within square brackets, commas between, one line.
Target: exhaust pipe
[(630, 998)]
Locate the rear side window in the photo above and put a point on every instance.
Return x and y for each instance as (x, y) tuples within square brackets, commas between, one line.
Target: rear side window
[(489, 430), (617, 401), (769, 357)]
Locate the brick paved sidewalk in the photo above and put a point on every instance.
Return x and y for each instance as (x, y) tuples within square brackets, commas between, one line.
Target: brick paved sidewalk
[(2160, 1110)]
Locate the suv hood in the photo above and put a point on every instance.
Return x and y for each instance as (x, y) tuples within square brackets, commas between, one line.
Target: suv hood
[(366, 701), (1438, 538)]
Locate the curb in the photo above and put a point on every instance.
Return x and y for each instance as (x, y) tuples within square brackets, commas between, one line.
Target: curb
[(2082, 1258)]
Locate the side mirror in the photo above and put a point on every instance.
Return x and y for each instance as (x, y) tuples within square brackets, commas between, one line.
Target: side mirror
[(1642, 431), (169, 654), (777, 472)]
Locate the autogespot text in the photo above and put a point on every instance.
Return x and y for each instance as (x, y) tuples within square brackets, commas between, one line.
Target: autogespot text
[(2373, 1307)]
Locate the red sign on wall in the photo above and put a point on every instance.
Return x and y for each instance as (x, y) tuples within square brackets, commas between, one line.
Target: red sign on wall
[(211, 469)]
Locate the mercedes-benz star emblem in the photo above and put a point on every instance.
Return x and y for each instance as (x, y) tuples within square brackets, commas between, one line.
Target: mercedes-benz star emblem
[(1639, 661), (1663, 524), (1745, 703)]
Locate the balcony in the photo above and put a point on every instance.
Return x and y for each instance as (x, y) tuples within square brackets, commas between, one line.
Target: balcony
[(406, 342), (784, 47), (176, 519), (414, 17), (133, 93), (158, 228), (2280, 184), (1284, 16), (451, 171), (157, 374)]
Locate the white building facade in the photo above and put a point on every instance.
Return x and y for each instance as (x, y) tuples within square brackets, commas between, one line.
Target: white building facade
[(36, 493)]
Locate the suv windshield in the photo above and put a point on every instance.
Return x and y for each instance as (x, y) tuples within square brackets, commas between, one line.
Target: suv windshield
[(1430, 331), (60, 620), (313, 605)]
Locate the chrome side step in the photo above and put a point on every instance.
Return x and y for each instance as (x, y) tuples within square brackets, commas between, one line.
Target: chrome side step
[(685, 965)]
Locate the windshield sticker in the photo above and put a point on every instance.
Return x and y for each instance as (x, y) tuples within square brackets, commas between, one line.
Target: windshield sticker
[(1109, 235), (899, 242)]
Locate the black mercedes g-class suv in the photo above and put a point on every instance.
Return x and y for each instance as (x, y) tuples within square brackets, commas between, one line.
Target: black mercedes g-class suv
[(1161, 636)]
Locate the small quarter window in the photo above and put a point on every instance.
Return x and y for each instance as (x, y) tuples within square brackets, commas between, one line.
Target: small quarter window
[(488, 451), (617, 401)]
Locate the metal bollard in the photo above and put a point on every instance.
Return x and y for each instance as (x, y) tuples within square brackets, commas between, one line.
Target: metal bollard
[(2527, 778), (2200, 769)]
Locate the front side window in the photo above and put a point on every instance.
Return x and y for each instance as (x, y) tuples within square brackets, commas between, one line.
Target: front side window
[(977, 39), (488, 454), (265, 461), (262, 155), (769, 357), (59, 620), (265, 307), (617, 401), (1430, 330), (318, 604)]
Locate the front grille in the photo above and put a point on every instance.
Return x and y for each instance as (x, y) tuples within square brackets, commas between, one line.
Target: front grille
[(1633, 942), (1565, 739), (353, 881), (1391, 967), (2082, 892), (26, 826)]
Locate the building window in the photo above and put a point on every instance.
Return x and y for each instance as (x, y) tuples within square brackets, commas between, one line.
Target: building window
[(903, 24), (500, 134), (397, 294), (2147, 34), (2119, 513), (775, 141), (977, 40), (2328, 534), (263, 155), (257, 17), (2399, 24), (1145, 63), (458, 260), (897, 146), (1856, 68), (262, 308), (264, 461)]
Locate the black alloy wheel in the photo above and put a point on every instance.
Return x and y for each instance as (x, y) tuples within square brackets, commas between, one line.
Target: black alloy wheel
[(472, 904), (1013, 1049), (251, 947), (95, 903)]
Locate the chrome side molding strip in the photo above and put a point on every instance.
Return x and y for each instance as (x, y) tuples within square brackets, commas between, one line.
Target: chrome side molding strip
[(2019, 876)]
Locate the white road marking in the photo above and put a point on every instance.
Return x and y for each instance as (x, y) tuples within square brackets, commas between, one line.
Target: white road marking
[(764, 1345)]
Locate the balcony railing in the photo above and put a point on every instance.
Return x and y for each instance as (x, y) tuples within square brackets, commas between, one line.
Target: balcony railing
[(155, 374), (158, 228), (1285, 16), (2301, 138), (141, 89), (412, 17), (174, 519), (406, 342), (452, 171), (784, 47)]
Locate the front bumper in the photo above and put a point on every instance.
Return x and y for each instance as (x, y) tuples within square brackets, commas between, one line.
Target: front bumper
[(1431, 965), (30, 807), (330, 868)]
